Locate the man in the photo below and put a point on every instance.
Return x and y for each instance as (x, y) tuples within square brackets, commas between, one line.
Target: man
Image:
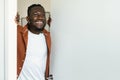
[(33, 46)]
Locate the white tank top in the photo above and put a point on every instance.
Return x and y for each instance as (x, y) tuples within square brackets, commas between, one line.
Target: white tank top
[(35, 61)]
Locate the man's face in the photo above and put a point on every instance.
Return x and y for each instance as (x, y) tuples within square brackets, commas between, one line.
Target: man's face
[(37, 18)]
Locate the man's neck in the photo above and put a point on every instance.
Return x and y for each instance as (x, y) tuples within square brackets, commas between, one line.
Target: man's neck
[(35, 31)]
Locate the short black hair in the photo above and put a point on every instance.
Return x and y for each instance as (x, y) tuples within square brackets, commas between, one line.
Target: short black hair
[(33, 5)]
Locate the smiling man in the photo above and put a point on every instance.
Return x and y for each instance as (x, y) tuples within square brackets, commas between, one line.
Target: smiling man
[(33, 46)]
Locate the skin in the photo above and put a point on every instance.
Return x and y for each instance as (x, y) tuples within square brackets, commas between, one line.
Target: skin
[(36, 20)]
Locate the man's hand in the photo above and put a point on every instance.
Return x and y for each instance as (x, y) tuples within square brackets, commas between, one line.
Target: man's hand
[(17, 19)]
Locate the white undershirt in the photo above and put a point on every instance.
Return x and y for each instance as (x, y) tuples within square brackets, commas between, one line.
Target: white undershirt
[(35, 61)]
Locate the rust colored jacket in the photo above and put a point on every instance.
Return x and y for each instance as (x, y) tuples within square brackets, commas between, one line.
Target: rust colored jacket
[(22, 40)]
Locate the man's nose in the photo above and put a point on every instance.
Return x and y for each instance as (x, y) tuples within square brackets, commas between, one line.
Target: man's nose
[(40, 17)]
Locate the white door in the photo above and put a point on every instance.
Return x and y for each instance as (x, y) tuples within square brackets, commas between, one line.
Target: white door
[(2, 40)]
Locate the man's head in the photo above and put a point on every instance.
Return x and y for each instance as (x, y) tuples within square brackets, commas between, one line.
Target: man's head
[(36, 17)]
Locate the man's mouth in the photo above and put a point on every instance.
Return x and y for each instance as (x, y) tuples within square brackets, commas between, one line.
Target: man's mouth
[(39, 23)]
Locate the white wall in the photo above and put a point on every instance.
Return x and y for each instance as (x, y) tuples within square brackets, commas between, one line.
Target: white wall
[(85, 39), (2, 40)]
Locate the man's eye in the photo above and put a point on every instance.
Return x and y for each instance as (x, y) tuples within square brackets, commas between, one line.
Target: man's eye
[(40, 15), (35, 14)]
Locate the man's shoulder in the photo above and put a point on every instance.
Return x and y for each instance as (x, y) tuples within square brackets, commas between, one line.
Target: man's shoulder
[(45, 31), (19, 28)]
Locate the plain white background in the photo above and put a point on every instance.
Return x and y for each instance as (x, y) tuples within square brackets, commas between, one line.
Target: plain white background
[(85, 39)]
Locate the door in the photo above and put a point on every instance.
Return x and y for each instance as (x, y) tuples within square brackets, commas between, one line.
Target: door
[(2, 40)]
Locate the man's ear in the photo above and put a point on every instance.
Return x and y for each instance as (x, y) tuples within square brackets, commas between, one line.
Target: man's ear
[(27, 19)]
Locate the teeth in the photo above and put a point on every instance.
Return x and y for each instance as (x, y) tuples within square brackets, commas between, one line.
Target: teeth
[(39, 22)]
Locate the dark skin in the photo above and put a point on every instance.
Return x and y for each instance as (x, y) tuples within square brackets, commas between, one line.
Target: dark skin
[(36, 20)]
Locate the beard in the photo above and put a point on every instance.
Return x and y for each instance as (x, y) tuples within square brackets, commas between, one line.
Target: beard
[(40, 29), (36, 28)]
